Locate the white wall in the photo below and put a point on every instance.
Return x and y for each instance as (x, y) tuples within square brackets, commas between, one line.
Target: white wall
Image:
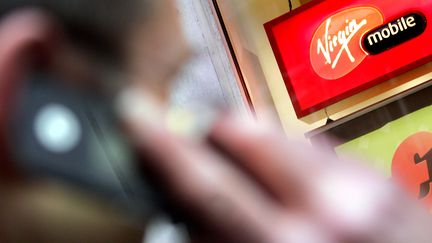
[(209, 77)]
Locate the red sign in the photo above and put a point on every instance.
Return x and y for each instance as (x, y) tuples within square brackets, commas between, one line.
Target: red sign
[(320, 52)]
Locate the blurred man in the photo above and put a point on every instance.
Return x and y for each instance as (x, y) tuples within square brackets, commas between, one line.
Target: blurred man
[(244, 182), (94, 45)]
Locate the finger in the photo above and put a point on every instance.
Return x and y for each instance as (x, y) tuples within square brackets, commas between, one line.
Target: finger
[(357, 206), (208, 187), (211, 193), (286, 167)]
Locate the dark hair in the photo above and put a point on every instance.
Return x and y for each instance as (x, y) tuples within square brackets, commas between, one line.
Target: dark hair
[(97, 25)]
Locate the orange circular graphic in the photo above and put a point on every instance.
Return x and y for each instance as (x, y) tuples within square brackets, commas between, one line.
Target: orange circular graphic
[(412, 166), (336, 47)]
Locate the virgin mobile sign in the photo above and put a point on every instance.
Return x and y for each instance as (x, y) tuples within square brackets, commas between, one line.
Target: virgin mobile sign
[(330, 50)]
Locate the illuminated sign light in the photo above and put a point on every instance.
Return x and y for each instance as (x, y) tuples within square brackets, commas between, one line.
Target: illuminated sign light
[(394, 33), (330, 50)]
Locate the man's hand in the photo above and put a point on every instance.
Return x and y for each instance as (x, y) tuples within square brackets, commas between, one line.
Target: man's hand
[(249, 183)]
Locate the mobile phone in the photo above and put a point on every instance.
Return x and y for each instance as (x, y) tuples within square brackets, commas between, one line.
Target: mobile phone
[(72, 136)]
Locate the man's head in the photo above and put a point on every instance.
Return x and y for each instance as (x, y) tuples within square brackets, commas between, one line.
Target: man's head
[(140, 37), (82, 41)]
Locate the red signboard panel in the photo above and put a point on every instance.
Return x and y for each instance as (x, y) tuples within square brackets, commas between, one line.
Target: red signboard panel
[(319, 47)]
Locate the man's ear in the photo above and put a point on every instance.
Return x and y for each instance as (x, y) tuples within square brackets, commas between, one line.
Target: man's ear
[(27, 36)]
